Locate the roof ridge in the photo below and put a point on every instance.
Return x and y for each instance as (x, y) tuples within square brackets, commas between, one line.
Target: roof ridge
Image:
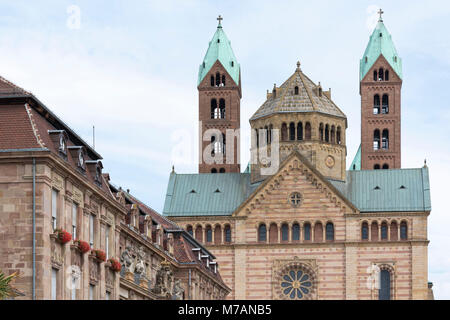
[(307, 90)]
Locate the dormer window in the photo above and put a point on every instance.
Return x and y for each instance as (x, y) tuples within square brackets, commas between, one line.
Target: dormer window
[(78, 155), (59, 137), (62, 144), (95, 168), (81, 163)]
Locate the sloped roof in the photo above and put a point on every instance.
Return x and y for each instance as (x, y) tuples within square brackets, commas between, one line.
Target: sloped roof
[(220, 49), (387, 190), (308, 98), (380, 43), (206, 194), (368, 190)]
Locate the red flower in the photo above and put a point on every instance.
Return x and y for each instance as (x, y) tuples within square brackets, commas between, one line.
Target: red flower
[(83, 246), (115, 265), (63, 236), (100, 255)]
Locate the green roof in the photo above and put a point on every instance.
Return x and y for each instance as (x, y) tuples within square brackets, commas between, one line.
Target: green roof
[(206, 194), (356, 164), (220, 50), (380, 43), (397, 190), (387, 190)]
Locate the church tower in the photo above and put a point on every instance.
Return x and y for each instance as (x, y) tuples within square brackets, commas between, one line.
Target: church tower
[(298, 116), (219, 88), (380, 89)]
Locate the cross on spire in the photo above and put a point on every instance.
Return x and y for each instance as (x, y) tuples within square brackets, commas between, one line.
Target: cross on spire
[(380, 12), (219, 18)]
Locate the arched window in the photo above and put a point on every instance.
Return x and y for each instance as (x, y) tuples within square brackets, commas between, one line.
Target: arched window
[(327, 133), (385, 166), (376, 139), (386, 75), (284, 132), (385, 140), (266, 131), (329, 232), (338, 135), (222, 170), (217, 79), (376, 104), (199, 234), (214, 110), (308, 131), (318, 232), (213, 170), (212, 81), (269, 134), (403, 230), (385, 104), (208, 234), (262, 233), (375, 75), (222, 108), (299, 131), (227, 233), (333, 134), (307, 232), (365, 231), (223, 80), (321, 132), (273, 233), (285, 232), (384, 231), (257, 138), (217, 234), (381, 74), (296, 90), (295, 232), (213, 149), (292, 131), (384, 292), (394, 231), (189, 230), (376, 167), (374, 231)]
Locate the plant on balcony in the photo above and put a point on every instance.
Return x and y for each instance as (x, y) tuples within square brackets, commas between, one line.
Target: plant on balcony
[(115, 265), (63, 236), (99, 254), (83, 246)]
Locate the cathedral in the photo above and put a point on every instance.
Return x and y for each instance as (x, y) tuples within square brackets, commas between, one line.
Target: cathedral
[(295, 224)]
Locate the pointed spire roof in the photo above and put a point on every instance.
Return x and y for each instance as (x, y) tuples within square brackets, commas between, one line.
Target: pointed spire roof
[(380, 43), (356, 164), (220, 50), (308, 97)]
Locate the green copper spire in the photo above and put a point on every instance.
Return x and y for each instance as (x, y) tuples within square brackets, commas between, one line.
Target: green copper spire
[(220, 49), (356, 164), (380, 43)]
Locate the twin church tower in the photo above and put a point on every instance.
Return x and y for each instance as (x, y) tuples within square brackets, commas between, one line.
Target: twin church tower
[(307, 119)]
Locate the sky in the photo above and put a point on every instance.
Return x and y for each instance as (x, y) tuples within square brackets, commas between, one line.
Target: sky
[(130, 69)]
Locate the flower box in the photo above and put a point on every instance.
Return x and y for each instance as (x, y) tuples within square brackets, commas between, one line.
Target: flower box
[(62, 236), (115, 265), (99, 255), (83, 246)]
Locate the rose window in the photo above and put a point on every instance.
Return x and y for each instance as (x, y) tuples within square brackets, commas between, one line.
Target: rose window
[(296, 284)]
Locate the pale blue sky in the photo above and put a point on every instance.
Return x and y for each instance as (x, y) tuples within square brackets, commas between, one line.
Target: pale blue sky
[(131, 69)]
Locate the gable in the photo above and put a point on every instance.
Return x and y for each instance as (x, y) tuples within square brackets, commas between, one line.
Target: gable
[(295, 175), (381, 62)]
